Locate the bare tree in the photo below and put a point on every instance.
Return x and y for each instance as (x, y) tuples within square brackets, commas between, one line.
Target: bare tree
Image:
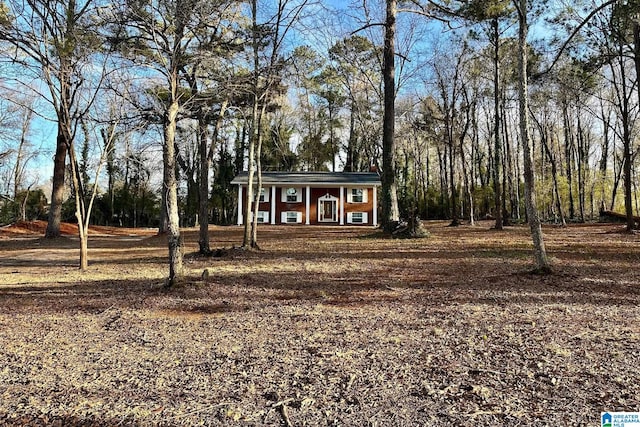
[(389, 196), (540, 254), (55, 40), (22, 159), (83, 198), (162, 35), (267, 44)]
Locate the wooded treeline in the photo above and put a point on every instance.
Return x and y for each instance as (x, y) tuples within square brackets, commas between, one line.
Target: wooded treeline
[(157, 104)]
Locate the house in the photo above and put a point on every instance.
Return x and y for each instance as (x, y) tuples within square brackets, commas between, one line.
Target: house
[(314, 198)]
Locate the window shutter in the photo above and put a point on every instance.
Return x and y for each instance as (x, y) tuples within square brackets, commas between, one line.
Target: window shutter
[(299, 216), (365, 197), (283, 217), (349, 218), (283, 196), (349, 195), (365, 218)]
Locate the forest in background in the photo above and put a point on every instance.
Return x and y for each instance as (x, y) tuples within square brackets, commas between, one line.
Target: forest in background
[(203, 86), (141, 112)]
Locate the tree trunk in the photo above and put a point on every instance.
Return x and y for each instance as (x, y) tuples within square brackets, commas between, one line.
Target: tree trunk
[(626, 139), (256, 201), (163, 221), (636, 60), (203, 186), (581, 167), (241, 138), (63, 110), (20, 166), (206, 157), (389, 214), (57, 192), (455, 221), (540, 254), (544, 137), (568, 153), (465, 172), (254, 130), (23, 205), (616, 181), (349, 165), (467, 185), (110, 160), (497, 181), (507, 181), (170, 185), (84, 248), (606, 120), (623, 93), (443, 178), (81, 213), (248, 197), (426, 183)]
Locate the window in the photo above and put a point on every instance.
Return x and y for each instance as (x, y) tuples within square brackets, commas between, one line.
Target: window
[(357, 195), (292, 195), (291, 217), (263, 217), (264, 195), (357, 217)]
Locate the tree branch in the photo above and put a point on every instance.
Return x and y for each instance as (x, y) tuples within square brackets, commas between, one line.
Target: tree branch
[(374, 24), (573, 34)]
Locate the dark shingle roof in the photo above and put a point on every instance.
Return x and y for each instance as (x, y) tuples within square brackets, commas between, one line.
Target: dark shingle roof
[(313, 178)]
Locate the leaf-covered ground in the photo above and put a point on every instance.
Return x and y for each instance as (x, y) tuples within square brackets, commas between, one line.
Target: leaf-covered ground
[(324, 326)]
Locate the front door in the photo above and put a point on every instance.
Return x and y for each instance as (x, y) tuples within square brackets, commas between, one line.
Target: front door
[(328, 210)]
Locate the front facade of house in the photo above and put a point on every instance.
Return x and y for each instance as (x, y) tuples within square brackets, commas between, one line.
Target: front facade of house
[(314, 198)]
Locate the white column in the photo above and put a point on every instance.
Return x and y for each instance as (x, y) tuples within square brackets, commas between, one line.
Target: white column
[(240, 205), (341, 208), (273, 204), (375, 206), (308, 203)]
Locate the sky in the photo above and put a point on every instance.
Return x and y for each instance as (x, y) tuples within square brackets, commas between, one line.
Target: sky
[(330, 21)]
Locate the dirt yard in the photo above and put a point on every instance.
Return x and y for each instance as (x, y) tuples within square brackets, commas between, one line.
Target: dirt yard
[(324, 326)]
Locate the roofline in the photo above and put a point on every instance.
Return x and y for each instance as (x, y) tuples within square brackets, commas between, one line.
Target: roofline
[(268, 178), (318, 184)]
